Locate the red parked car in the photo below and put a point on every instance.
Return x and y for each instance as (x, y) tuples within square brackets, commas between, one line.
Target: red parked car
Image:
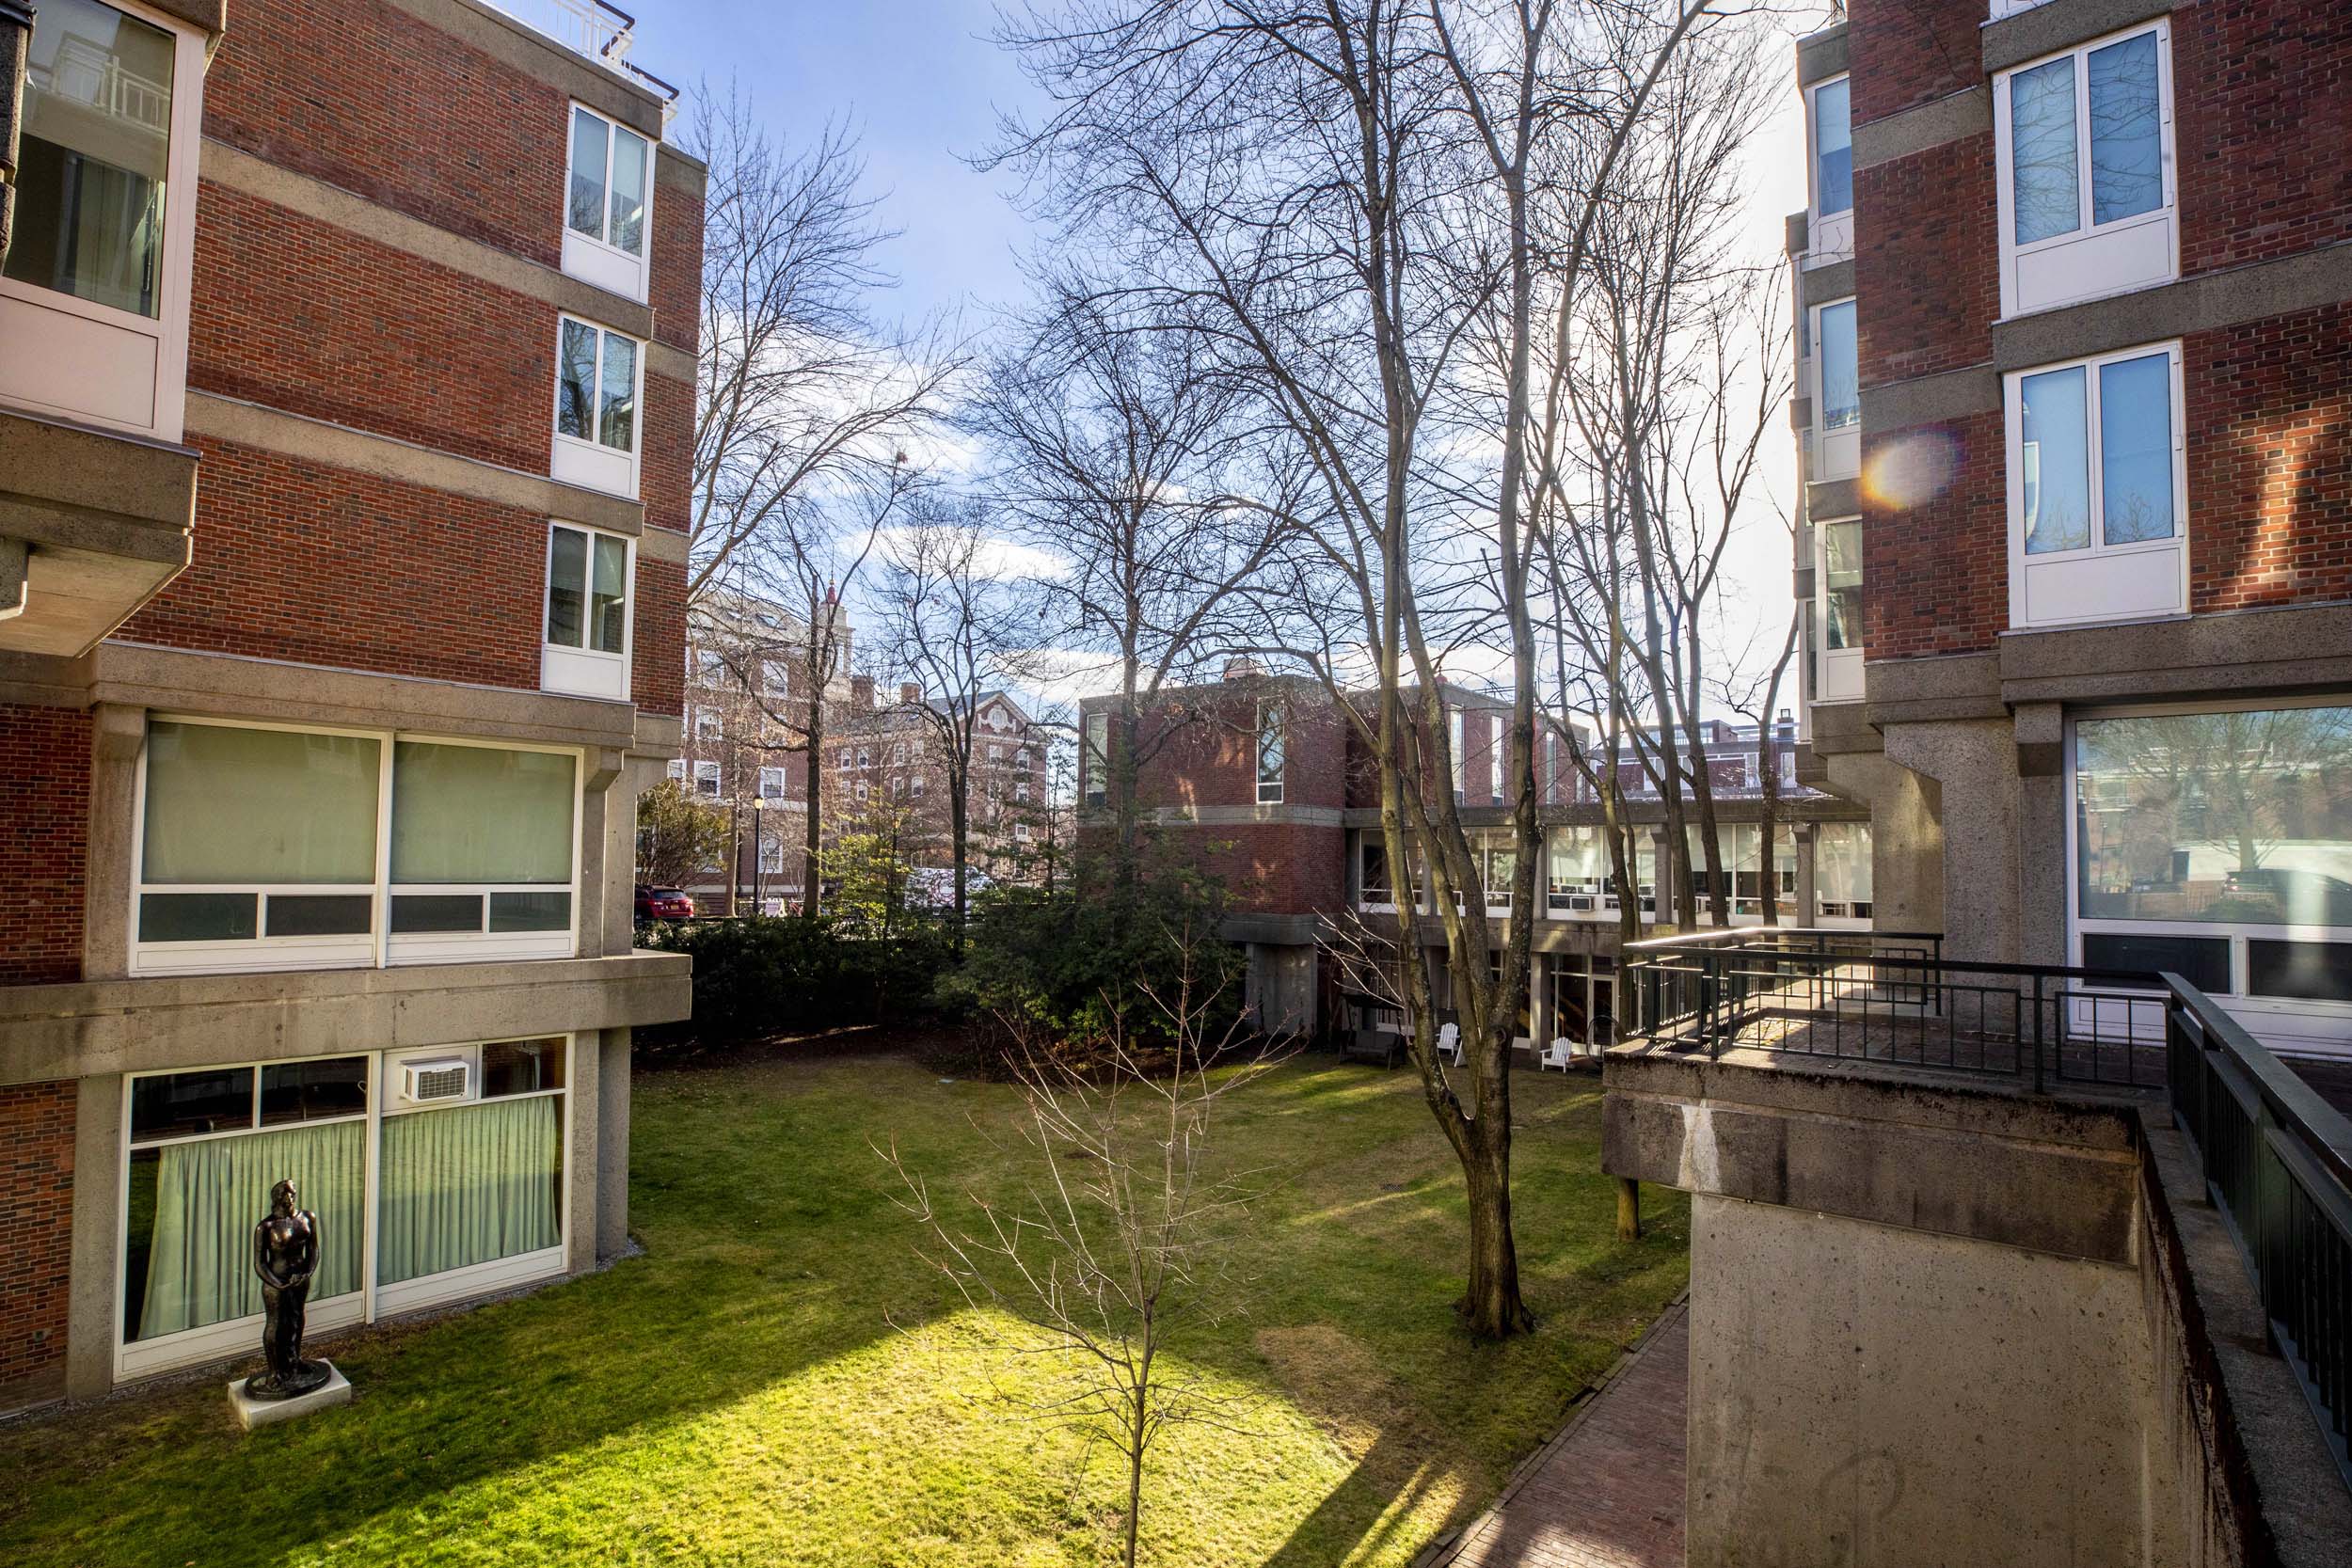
[(663, 903)]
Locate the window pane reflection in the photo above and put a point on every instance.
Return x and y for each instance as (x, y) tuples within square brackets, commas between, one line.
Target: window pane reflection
[(2045, 181), (2216, 818), (2054, 449), (2126, 173)]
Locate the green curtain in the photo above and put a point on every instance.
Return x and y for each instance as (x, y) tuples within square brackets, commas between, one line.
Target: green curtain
[(468, 1185), (210, 1195), (477, 813), (233, 805)]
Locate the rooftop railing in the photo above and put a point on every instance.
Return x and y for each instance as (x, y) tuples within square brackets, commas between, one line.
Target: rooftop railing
[(2275, 1157), (590, 27)]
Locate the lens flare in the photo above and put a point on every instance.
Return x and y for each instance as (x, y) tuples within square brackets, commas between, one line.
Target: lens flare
[(1910, 470)]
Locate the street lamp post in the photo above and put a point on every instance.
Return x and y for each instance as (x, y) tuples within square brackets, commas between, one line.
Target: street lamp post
[(759, 810)]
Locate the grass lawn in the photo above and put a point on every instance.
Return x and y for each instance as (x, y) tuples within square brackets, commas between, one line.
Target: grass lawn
[(780, 1381)]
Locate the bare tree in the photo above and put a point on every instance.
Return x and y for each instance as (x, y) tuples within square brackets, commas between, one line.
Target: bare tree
[(1361, 213), (1110, 447), (1112, 1246), (952, 624)]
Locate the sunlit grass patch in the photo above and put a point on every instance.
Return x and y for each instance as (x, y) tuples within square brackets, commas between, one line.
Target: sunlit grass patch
[(780, 1380)]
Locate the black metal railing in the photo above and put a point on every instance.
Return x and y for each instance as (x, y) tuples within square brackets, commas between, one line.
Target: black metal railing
[(2274, 1155), (2277, 1161), (1893, 996)]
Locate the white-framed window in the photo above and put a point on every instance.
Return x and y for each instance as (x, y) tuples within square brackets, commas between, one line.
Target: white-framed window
[(1270, 749), (437, 1174), (864, 757), (584, 647), (771, 857), (1837, 606), (711, 666), (599, 375), (1095, 758), (1455, 741), (1021, 832), (918, 786), (898, 754), (677, 769), (1837, 392), (843, 761), (865, 792), (2216, 842), (1829, 127), (708, 731), (775, 678), (2098, 489), (94, 294), (2084, 154), (271, 847), (607, 203), (1021, 757), (1020, 791), (771, 784), (707, 780)]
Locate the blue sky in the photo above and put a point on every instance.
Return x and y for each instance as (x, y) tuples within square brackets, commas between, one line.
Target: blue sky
[(922, 85)]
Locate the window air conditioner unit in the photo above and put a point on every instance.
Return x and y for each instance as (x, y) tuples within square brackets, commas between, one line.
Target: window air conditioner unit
[(435, 1079)]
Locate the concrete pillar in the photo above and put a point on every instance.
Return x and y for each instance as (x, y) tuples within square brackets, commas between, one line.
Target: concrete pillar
[(613, 1088), (1808, 838), (1906, 838), (2042, 808), (118, 732), (584, 1163), (1975, 763), (92, 1301)]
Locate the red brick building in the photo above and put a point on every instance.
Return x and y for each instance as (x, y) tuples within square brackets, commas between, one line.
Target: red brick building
[(1262, 782), (346, 378), (2075, 290)]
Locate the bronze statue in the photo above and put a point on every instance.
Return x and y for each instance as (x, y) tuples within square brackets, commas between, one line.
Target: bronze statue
[(285, 1255)]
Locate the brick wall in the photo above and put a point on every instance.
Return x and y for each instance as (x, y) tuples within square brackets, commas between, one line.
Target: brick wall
[(2270, 461), (1907, 53), (364, 96), (322, 566), (1927, 262), (312, 319), (1937, 568), (45, 827), (658, 679), (674, 290), (35, 1237), (2263, 116)]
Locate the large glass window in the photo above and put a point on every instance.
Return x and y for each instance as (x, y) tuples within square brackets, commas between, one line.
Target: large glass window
[(2240, 817), (2108, 98), (2096, 445), (1841, 869), (264, 848), (597, 387), (587, 590), (607, 184), (1095, 763), (1832, 147), (1577, 875), (96, 137), (1842, 380)]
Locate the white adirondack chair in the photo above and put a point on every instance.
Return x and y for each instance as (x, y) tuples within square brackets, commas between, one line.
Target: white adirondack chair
[(1450, 1042), (1557, 1054)]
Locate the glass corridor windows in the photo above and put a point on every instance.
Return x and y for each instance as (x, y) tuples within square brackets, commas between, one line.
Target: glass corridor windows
[(2097, 489), (1837, 392), (1270, 750), (596, 384), (1841, 870), (451, 1198), (585, 645), (2229, 829), (1838, 612), (2086, 172), (607, 192), (1095, 758), (1832, 147), (267, 846)]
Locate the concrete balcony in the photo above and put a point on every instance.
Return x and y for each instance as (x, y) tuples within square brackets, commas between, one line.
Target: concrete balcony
[(92, 526)]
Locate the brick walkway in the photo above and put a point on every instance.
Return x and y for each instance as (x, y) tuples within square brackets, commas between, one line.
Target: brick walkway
[(1607, 1491)]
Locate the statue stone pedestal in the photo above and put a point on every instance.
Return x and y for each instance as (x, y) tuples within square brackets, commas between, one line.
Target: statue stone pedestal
[(254, 1413)]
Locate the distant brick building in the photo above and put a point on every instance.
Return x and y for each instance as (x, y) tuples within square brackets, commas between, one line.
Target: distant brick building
[(1262, 782), (347, 377), (2074, 293)]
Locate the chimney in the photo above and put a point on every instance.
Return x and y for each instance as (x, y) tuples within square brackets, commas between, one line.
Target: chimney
[(1241, 667), (861, 693), (908, 693)]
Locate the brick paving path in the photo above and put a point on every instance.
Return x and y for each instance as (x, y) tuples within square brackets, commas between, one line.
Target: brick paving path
[(1607, 1491)]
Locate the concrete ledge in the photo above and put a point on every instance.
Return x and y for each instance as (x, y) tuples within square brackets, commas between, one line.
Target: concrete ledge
[(1951, 119), (2285, 650), (1279, 930), (1831, 499), (112, 1027), (1924, 690), (1938, 399), (1839, 728), (676, 170), (252, 424), (1793, 232), (1821, 55), (1892, 1147), (1236, 817), (2057, 24), (2304, 281), (141, 676), (1826, 285)]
